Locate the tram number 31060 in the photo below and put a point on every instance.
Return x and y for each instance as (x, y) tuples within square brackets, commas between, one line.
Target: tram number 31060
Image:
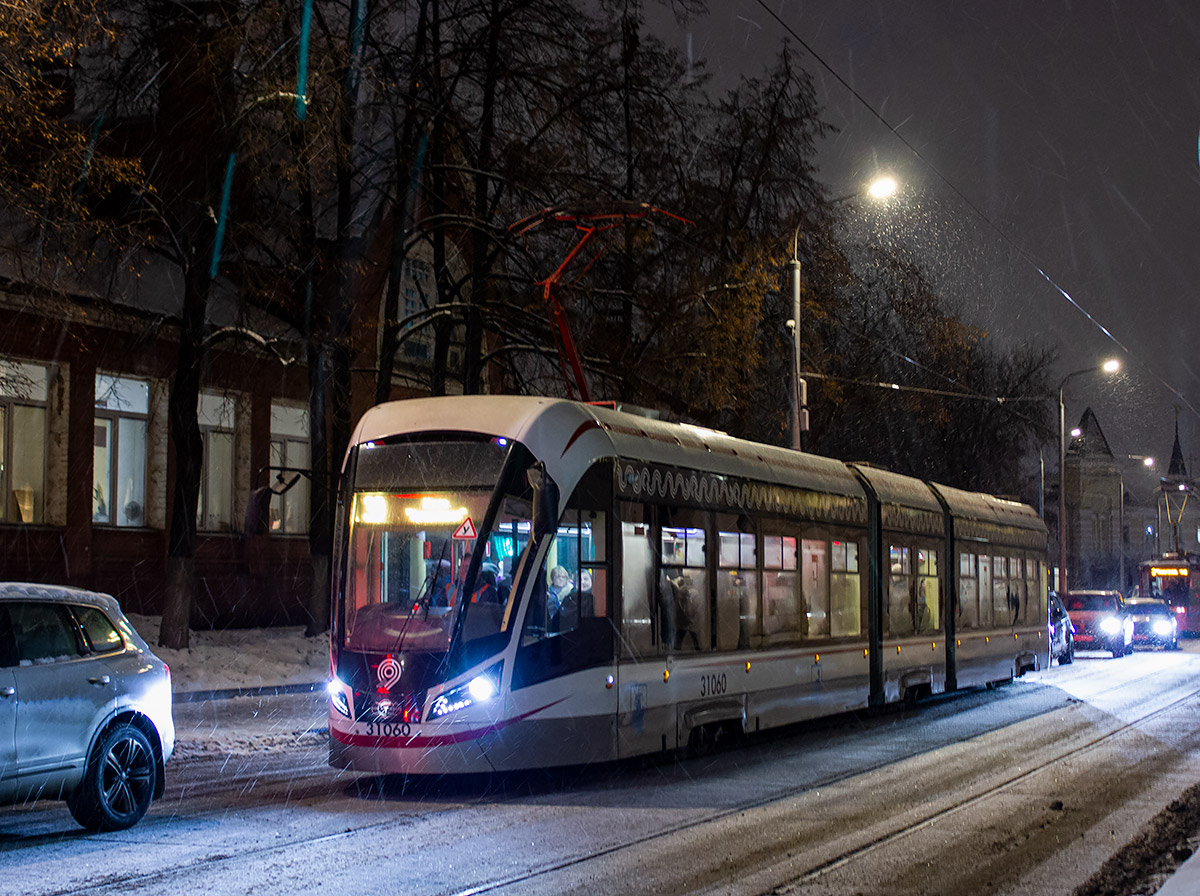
[(712, 685)]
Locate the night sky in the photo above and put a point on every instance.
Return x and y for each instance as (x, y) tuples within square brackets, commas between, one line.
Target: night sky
[(1043, 140)]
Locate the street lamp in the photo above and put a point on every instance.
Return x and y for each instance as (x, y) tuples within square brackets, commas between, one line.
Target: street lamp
[(1148, 463), (1110, 366), (880, 188)]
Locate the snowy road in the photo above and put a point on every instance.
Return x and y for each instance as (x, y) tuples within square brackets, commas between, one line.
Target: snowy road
[(1024, 790)]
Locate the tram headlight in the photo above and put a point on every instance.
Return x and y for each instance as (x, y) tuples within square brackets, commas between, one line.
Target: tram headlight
[(1111, 625), (480, 689), (336, 689)]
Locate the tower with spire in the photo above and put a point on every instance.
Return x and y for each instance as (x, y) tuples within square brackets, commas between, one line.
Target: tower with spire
[(1093, 490), (1176, 496)]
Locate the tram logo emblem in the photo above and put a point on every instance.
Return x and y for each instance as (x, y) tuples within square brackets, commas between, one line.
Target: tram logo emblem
[(388, 672)]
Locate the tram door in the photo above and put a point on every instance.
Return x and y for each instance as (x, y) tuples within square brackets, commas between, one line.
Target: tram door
[(645, 700), (568, 643)]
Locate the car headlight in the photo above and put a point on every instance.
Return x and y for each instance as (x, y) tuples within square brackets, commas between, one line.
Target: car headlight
[(1111, 625), (336, 689), (1164, 627), (480, 689)]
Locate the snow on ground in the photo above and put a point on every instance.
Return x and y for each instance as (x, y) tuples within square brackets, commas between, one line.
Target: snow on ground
[(240, 658)]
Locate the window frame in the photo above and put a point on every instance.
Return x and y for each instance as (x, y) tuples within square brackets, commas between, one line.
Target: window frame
[(8, 405), (227, 401), (114, 416), (283, 441)]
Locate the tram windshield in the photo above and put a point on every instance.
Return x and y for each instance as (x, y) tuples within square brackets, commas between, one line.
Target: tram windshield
[(419, 557), (1173, 588)]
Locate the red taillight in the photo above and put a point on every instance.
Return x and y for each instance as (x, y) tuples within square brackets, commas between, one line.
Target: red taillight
[(1180, 609)]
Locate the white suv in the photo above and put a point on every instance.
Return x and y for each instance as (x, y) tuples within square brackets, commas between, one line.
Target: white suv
[(85, 707)]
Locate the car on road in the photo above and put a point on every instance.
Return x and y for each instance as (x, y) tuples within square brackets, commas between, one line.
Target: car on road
[(85, 706), (1154, 623), (1102, 621), (1062, 632)]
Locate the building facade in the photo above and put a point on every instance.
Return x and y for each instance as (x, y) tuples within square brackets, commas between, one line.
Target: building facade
[(1119, 513)]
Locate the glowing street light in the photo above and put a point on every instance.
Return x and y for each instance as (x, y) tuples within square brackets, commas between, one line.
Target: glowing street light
[(880, 188), (1110, 366)]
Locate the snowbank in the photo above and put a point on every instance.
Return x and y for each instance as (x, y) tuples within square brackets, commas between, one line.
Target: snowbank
[(240, 658)]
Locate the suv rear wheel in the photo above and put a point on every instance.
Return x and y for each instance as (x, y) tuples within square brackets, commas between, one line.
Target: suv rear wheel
[(118, 783)]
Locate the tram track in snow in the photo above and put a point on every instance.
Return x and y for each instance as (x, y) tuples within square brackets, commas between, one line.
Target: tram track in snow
[(308, 783), (977, 798), (848, 856)]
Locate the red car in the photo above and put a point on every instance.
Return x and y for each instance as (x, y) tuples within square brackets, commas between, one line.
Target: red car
[(1102, 621)]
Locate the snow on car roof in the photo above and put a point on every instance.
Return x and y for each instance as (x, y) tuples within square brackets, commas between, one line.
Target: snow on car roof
[(38, 591)]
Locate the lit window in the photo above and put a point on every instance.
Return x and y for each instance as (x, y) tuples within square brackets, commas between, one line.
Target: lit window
[(119, 451), (216, 414), (23, 394), (289, 453)]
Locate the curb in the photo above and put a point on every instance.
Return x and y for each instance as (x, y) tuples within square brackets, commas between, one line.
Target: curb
[(274, 690)]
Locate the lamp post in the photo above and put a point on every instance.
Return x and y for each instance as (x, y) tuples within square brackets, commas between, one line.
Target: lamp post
[(880, 188), (1110, 366), (1148, 463)]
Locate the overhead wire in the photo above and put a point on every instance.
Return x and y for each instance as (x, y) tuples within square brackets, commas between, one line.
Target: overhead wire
[(1005, 238)]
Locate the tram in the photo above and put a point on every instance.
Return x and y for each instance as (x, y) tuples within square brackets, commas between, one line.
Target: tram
[(529, 582), (1175, 578)]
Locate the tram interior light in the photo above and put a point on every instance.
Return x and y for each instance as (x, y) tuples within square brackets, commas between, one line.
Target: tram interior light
[(433, 510), (372, 509)]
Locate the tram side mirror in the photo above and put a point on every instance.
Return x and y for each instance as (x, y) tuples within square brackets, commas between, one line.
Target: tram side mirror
[(545, 498)]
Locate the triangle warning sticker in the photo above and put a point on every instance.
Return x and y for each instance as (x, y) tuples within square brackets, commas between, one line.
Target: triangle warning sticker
[(466, 530)]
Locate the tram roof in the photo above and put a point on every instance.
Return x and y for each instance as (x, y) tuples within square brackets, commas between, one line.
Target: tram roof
[(572, 434), (895, 488), (989, 508)]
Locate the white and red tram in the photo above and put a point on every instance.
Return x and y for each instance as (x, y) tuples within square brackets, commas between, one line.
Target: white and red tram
[(528, 582)]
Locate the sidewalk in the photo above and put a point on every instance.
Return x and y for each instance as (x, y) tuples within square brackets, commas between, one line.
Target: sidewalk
[(227, 725), (239, 661)]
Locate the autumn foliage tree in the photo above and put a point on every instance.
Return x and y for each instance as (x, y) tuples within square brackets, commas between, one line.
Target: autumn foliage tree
[(331, 142)]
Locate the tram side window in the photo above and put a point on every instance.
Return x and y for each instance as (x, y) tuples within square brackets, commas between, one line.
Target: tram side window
[(985, 590), (1006, 591), (845, 591), (639, 600), (968, 592), (686, 609), (927, 608), (737, 584), (1035, 594), (575, 571), (565, 627), (814, 586), (899, 614), (782, 616)]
